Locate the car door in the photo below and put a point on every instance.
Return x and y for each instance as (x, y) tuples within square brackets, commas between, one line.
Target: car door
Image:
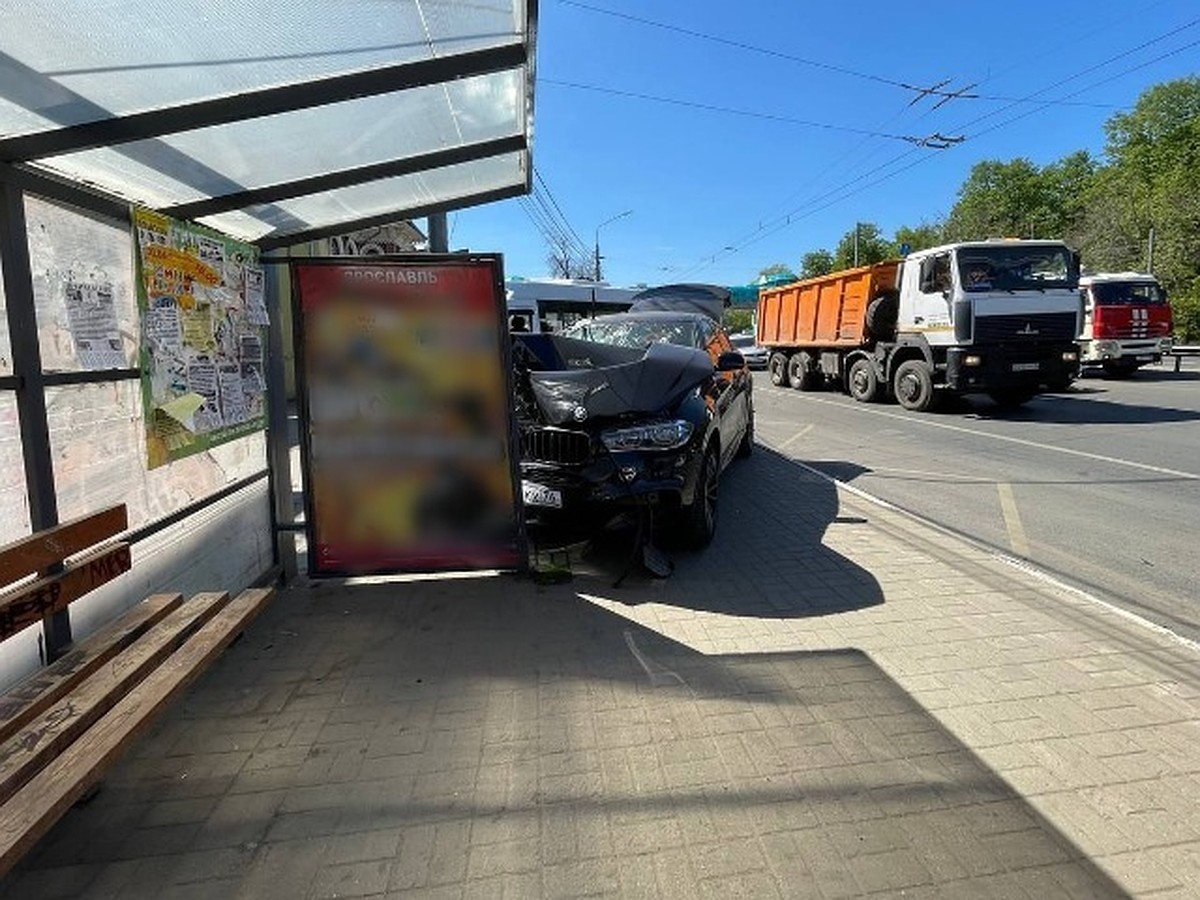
[(732, 393)]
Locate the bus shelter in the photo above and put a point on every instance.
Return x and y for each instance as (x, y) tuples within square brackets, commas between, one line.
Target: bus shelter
[(273, 131)]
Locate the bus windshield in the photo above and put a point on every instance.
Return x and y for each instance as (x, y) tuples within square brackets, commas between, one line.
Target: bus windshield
[(1015, 268)]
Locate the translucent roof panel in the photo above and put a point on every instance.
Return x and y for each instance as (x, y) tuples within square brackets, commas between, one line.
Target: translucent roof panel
[(408, 192), (264, 151), (292, 106), (63, 65)]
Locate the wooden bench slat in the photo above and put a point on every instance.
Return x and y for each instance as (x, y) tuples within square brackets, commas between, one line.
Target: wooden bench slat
[(45, 548), (50, 793), (50, 733), (31, 697), (27, 604)]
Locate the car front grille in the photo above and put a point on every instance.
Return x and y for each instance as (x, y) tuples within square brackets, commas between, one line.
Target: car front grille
[(1036, 327), (556, 445)]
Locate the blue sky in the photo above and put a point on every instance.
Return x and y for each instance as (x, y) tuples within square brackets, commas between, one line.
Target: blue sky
[(700, 181)]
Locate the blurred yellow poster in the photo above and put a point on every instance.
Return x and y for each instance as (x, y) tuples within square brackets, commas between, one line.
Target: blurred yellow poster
[(406, 423)]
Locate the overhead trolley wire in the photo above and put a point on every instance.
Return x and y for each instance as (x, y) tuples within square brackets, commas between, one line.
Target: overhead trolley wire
[(803, 211)]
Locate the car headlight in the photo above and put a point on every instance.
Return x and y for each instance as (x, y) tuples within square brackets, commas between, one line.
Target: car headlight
[(973, 360), (651, 436), (1070, 356)]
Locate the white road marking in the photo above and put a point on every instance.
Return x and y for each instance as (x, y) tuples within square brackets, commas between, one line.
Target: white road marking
[(883, 471), (929, 423), (1012, 520), (795, 437), (1023, 564)]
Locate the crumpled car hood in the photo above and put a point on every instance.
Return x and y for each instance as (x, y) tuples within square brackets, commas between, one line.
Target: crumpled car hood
[(597, 381)]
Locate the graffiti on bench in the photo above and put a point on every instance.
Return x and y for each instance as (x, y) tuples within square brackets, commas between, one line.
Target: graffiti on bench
[(28, 604)]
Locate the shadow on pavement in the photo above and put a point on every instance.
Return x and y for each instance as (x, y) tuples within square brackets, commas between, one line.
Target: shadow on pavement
[(1073, 408), (768, 559), (495, 735)]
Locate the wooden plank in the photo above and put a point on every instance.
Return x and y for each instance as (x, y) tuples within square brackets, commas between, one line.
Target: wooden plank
[(45, 548), (48, 795), (51, 732), (28, 604), (31, 697)]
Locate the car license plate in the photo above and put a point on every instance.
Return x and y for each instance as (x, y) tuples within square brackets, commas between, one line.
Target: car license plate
[(1025, 367), (1148, 357), (539, 495)]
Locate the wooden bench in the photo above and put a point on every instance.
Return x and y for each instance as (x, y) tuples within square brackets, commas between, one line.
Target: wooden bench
[(62, 729)]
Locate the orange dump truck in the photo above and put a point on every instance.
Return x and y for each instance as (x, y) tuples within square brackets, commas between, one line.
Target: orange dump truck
[(994, 317)]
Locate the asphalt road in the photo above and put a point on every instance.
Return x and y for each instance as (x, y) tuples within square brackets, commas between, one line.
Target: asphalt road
[(1099, 486)]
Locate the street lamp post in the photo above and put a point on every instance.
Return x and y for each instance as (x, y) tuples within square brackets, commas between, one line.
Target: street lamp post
[(596, 272)]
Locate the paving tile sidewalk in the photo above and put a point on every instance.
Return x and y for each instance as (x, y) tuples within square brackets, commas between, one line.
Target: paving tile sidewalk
[(831, 701)]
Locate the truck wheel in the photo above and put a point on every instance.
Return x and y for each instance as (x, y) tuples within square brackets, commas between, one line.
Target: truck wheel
[(913, 385), (862, 381), (881, 314), (777, 368), (800, 373), (1012, 398)]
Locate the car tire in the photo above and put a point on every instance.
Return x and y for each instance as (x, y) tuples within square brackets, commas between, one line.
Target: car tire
[(777, 369), (698, 520), (746, 446), (913, 385), (862, 382)]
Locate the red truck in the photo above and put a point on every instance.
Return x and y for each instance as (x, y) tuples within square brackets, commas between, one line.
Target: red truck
[(1127, 322)]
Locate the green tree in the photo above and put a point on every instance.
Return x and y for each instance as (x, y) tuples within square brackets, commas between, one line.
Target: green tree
[(773, 270), (815, 263), (1151, 180), (919, 237), (873, 247)]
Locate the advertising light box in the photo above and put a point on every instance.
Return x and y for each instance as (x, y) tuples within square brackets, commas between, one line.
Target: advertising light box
[(407, 429)]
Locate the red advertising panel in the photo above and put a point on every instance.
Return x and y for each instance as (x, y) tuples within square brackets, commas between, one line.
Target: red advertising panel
[(406, 425)]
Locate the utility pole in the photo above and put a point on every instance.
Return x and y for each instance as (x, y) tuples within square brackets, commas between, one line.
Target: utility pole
[(596, 269), (856, 245), (1150, 254)]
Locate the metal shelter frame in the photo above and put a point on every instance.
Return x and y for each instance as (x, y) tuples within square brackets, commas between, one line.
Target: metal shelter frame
[(20, 175)]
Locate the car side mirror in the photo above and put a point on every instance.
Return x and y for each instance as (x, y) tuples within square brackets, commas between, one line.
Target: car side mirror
[(730, 361)]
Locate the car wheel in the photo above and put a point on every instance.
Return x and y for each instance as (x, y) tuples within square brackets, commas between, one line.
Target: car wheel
[(913, 385), (777, 368), (699, 518), (746, 447), (862, 381)]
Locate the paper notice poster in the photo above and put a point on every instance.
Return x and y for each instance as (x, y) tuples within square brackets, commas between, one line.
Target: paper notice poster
[(92, 319), (161, 325), (203, 316), (256, 307)]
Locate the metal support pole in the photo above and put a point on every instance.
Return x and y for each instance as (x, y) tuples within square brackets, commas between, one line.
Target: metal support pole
[(31, 390), (279, 445), (1150, 253), (439, 233)]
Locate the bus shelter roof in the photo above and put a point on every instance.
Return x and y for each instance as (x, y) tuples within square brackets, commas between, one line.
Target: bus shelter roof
[(274, 124)]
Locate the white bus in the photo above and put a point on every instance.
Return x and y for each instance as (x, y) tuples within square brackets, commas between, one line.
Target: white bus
[(552, 304)]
